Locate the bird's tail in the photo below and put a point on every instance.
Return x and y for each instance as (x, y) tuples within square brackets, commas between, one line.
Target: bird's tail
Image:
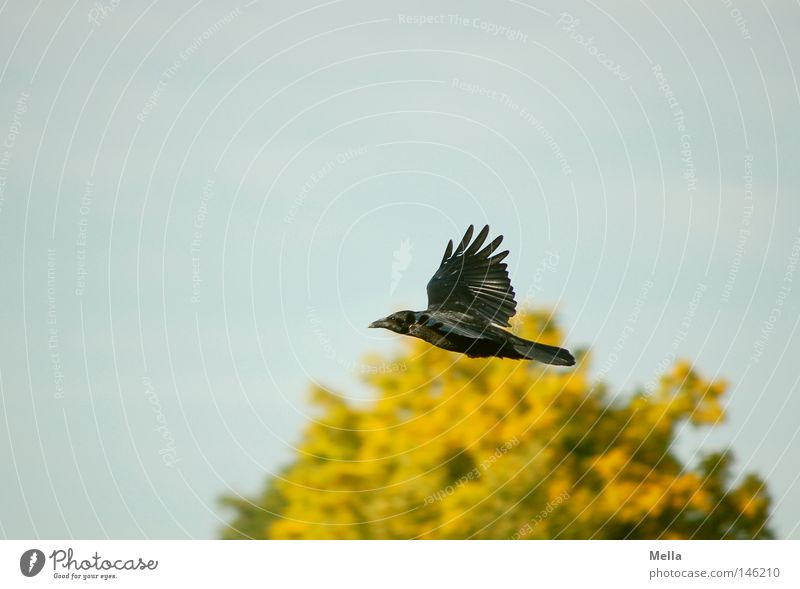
[(543, 353)]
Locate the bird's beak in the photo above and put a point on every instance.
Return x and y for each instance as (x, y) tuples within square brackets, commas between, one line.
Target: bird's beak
[(378, 323)]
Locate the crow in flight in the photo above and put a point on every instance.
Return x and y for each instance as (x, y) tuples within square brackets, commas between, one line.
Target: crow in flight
[(470, 299)]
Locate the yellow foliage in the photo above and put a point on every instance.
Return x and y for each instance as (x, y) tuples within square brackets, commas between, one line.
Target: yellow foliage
[(454, 447)]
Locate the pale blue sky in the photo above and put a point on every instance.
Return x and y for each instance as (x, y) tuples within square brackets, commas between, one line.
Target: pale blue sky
[(176, 139)]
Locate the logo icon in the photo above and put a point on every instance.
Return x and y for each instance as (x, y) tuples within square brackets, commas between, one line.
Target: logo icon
[(402, 260), (31, 562)]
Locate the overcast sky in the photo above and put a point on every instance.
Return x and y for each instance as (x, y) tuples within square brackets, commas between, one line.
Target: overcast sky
[(203, 206)]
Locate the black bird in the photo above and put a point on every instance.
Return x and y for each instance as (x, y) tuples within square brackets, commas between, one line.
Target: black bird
[(470, 299)]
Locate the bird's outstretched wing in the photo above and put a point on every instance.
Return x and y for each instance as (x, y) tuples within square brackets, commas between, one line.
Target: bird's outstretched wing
[(474, 281)]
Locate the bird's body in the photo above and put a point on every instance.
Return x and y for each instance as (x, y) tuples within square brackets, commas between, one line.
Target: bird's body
[(470, 299)]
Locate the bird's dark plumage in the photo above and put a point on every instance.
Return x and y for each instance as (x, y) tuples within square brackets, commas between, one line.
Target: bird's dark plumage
[(470, 299), (473, 281)]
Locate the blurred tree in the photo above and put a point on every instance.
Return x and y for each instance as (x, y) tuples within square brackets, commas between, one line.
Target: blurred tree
[(461, 448)]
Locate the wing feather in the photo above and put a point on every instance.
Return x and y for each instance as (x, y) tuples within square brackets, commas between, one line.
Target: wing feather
[(473, 280), (449, 251)]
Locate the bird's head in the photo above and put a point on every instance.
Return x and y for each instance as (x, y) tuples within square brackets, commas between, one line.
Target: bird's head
[(398, 322)]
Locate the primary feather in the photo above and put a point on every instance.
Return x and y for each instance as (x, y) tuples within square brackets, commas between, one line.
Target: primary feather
[(474, 281)]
